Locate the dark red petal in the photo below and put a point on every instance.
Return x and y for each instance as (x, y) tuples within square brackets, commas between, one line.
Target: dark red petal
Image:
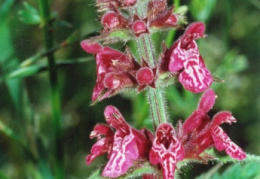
[(111, 60), (221, 117), (196, 122), (172, 20), (97, 152), (101, 129), (89, 47), (203, 141), (111, 81), (115, 119), (207, 100), (101, 147), (195, 29), (99, 91)]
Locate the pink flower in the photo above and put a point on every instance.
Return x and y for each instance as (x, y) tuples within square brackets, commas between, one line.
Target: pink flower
[(124, 146), (103, 145), (166, 150), (184, 58), (191, 139), (199, 133), (115, 70)]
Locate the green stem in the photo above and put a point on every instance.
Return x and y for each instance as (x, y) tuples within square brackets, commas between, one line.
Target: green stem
[(155, 95), (55, 93), (15, 138)]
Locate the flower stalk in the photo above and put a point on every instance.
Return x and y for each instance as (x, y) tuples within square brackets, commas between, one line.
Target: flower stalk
[(155, 95), (55, 92)]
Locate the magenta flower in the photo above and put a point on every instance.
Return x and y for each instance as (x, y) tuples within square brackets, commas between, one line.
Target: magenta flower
[(199, 133), (184, 58), (103, 145), (124, 146), (115, 70), (191, 139), (166, 150)]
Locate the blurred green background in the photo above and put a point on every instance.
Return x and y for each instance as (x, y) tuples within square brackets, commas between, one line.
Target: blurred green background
[(231, 51)]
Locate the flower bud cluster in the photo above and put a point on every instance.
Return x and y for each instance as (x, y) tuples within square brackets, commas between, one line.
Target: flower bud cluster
[(122, 15)]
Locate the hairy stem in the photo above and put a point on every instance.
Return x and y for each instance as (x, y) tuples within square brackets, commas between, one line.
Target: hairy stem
[(55, 93), (155, 95)]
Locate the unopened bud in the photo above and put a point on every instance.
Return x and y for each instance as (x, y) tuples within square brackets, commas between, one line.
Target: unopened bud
[(110, 20), (144, 76), (172, 20), (139, 27)]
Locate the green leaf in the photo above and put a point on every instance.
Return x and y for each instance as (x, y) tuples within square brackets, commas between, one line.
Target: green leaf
[(2, 175), (144, 168), (34, 69), (223, 158), (249, 170), (29, 15), (24, 72), (202, 9), (5, 8), (96, 175), (7, 52), (8, 132), (121, 34), (6, 48)]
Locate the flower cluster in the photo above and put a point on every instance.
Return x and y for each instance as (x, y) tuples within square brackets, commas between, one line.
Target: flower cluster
[(123, 68), (117, 71), (169, 145), (192, 138), (157, 16)]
